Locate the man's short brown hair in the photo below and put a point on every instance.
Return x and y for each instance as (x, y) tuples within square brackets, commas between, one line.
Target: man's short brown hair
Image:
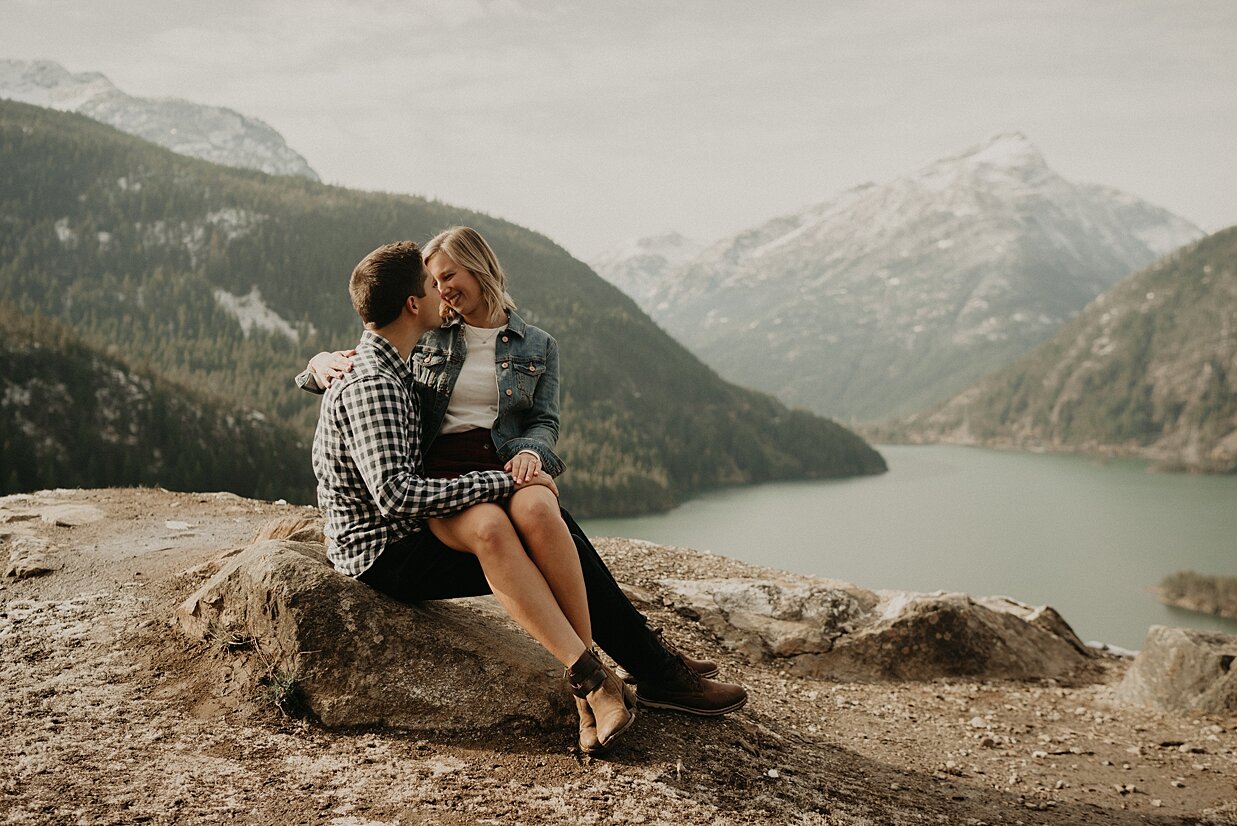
[(384, 279)]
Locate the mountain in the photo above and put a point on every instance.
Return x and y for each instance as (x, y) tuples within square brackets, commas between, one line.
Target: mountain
[(640, 268), (888, 298), (211, 133), (227, 280), (71, 416), (1149, 368)]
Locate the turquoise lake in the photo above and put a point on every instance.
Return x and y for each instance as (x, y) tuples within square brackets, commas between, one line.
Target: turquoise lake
[(1091, 538)]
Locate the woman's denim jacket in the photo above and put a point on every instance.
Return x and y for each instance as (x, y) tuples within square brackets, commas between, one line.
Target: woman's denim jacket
[(526, 363)]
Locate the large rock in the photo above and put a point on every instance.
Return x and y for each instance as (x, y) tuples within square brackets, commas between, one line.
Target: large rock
[(361, 659), (772, 618), (1180, 669), (827, 628), (927, 636)]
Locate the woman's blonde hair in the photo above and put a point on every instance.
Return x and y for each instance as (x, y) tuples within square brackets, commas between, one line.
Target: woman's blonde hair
[(466, 247)]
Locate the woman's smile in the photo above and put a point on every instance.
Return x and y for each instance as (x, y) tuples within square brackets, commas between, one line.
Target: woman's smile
[(457, 287)]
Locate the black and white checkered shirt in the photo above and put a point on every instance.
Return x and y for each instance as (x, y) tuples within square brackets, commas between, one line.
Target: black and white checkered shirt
[(367, 457)]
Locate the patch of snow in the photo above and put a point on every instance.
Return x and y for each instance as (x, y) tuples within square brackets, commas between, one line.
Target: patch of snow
[(235, 223), (64, 233), (251, 312)]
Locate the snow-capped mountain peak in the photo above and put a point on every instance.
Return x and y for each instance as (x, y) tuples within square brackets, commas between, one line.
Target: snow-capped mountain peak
[(48, 84), (888, 297), (211, 133), (1006, 157), (1005, 149)]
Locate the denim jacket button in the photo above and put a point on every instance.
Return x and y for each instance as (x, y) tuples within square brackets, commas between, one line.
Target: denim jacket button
[(505, 339), (508, 391), (506, 365)]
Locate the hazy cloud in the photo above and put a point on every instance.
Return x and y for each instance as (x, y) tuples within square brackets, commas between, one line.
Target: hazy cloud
[(595, 122)]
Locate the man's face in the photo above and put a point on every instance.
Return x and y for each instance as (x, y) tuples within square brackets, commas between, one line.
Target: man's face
[(429, 306)]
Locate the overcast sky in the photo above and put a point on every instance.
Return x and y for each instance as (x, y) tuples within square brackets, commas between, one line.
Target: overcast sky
[(596, 123)]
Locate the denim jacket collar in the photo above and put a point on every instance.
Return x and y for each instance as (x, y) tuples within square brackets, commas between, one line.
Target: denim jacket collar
[(515, 324)]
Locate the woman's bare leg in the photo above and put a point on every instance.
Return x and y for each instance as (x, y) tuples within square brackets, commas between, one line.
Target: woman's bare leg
[(534, 512), (486, 532)]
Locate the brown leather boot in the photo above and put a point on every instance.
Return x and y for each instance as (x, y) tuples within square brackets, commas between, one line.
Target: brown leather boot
[(609, 701), (704, 668), (589, 744), (680, 688)]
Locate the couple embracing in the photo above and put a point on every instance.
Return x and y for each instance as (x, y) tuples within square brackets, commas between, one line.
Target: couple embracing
[(435, 461)]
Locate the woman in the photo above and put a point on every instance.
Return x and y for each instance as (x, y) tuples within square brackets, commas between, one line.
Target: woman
[(491, 383)]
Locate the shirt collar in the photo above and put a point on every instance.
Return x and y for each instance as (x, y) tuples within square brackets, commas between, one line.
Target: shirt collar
[(386, 354)]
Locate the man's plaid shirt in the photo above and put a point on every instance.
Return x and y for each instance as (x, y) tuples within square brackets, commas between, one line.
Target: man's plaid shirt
[(367, 457)]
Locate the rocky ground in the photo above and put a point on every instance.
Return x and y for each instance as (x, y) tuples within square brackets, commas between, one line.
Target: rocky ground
[(110, 715)]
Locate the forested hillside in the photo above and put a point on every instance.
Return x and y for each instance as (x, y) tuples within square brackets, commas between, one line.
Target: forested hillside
[(1148, 368), (150, 255), (73, 417)]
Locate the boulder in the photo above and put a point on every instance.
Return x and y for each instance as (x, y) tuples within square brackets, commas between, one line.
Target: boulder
[(828, 628), (770, 618), (1180, 669), (356, 658), (929, 636)]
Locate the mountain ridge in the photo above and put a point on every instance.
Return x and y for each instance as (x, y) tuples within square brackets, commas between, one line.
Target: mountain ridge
[(1149, 369)]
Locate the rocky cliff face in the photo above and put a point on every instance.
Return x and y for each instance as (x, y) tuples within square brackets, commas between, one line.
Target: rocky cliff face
[(889, 297), (211, 133)]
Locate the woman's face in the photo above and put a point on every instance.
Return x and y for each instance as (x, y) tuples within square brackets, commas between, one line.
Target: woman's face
[(458, 288)]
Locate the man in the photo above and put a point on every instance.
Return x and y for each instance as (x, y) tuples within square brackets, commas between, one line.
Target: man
[(367, 456)]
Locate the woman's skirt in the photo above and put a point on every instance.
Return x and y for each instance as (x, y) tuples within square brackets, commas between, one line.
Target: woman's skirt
[(454, 454)]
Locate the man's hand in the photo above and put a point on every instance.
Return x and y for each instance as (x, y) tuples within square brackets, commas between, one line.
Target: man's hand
[(523, 466), (544, 479), (326, 367)]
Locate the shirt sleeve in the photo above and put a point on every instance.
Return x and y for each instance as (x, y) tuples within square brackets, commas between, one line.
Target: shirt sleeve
[(308, 381), (378, 415)]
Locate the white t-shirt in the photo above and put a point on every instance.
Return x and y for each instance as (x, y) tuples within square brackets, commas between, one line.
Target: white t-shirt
[(474, 401)]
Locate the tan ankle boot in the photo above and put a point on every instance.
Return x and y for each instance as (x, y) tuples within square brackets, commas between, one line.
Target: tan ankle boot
[(589, 744), (611, 704)]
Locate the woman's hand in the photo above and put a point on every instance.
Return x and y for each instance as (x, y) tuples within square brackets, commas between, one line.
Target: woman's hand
[(524, 466), (326, 367)]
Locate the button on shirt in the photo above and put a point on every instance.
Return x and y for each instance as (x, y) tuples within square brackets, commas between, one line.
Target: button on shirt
[(367, 457)]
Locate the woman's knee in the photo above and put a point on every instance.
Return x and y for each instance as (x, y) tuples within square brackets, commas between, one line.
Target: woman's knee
[(535, 512), (490, 530)]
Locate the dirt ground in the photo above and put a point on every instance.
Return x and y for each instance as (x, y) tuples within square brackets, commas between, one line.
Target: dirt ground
[(109, 715)]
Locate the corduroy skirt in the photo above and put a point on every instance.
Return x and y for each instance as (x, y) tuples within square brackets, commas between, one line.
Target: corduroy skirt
[(454, 454)]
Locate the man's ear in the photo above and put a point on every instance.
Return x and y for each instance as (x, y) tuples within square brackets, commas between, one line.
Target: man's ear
[(411, 305)]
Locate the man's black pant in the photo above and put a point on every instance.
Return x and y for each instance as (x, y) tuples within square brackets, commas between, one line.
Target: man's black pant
[(420, 567)]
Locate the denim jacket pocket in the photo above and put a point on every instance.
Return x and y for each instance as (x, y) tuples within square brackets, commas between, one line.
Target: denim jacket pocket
[(527, 373), (429, 368)]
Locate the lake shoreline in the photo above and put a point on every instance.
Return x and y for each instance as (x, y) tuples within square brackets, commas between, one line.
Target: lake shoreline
[(1091, 538)]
